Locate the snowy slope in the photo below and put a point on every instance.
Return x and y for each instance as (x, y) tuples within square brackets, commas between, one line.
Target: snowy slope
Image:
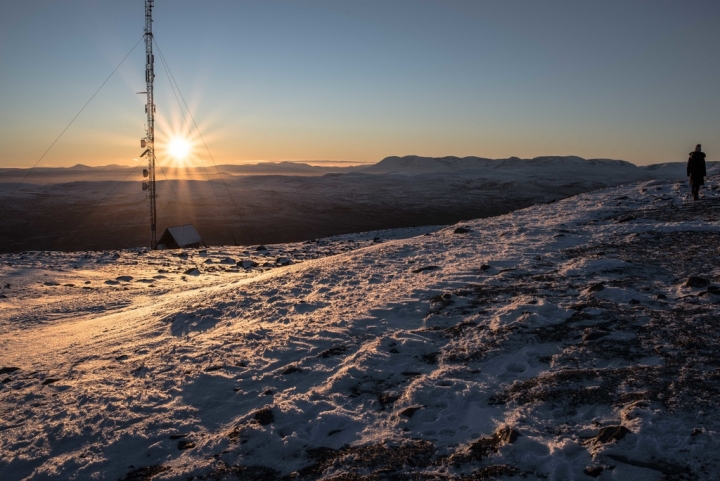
[(550, 342)]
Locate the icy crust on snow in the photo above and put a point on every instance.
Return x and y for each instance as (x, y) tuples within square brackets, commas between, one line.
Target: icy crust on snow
[(556, 342)]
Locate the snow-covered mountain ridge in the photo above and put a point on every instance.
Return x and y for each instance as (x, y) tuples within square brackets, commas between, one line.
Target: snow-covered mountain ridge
[(419, 164), (562, 341)]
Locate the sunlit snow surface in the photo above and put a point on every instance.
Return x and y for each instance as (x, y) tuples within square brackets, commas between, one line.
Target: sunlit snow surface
[(391, 358)]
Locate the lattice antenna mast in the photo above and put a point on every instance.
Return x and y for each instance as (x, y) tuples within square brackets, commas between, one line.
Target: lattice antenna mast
[(149, 141)]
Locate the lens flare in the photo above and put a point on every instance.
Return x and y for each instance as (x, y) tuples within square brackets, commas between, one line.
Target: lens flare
[(179, 148)]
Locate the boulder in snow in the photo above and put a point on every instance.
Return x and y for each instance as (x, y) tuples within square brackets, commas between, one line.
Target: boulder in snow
[(264, 416), (697, 282), (283, 261)]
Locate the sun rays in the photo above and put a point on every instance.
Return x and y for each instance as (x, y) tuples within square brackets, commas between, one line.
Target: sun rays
[(178, 149)]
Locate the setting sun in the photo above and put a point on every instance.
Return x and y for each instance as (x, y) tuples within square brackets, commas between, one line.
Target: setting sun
[(179, 148)]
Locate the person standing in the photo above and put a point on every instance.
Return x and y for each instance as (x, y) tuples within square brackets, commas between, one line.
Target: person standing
[(696, 170)]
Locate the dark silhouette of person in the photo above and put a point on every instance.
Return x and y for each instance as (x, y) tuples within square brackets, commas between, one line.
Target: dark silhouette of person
[(696, 170)]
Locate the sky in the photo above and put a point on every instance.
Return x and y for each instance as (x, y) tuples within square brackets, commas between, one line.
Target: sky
[(362, 80)]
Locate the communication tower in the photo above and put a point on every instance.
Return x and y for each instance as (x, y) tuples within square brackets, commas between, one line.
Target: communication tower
[(149, 141)]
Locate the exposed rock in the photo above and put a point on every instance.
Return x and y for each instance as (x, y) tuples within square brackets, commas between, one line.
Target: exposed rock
[(283, 261), (194, 271), (430, 357), (8, 370), (333, 351), (290, 370), (426, 268), (593, 471), (261, 248), (697, 282), (409, 412), (247, 264), (610, 434), (182, 445), (379, 461), (485, 446), (145, 473), (264, 416), (596, 287), (484, 267), (507, 435), (387, 398), (461, 230), (459, 329), (49, 380)]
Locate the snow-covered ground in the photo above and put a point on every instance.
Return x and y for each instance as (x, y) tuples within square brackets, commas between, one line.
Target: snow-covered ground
[(569, 340)]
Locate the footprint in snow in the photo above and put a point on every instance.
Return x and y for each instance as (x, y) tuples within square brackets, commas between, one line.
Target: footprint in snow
[(303, 307)]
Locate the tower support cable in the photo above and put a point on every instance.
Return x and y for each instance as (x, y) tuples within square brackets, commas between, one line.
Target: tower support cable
[(176, 90), (71, 122), (172, 79)]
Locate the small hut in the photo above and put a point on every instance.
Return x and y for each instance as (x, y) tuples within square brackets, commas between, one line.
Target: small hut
[(180, 236)]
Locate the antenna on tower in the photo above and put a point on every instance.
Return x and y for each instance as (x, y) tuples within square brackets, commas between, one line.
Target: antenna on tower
[(148, 143)]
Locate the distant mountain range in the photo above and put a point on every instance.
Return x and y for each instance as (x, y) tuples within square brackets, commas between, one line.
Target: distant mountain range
[(409, 164)]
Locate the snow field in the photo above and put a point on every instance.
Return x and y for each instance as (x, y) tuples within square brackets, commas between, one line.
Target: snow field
[(543, 321)]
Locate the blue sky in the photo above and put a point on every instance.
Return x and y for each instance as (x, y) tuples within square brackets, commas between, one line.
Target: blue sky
[(361, 80)]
